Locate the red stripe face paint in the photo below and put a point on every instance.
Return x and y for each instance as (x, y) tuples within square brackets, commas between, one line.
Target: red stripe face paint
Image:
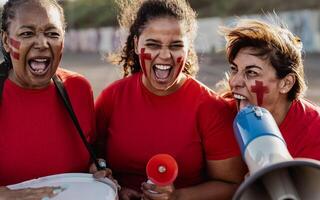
[(180, 60), (16, 45), (259, 89), (15, 55), (143, 57)]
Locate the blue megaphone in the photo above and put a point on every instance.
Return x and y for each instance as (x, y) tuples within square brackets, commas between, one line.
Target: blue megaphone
[(273, 173)]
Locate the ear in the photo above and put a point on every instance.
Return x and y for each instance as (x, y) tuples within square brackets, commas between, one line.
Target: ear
[(5, 41), (135, 40), (287, 83)]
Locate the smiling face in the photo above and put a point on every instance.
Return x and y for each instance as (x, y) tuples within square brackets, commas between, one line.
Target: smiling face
[(162, 48), (34, 40), (253, 80)]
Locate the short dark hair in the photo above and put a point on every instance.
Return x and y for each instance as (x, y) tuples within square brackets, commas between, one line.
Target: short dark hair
[(269, 41)]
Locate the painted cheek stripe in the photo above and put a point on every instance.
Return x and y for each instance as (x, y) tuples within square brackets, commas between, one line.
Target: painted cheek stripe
[(143, 58), (15, 55), (259, 89), (15, 43), (180, 60)]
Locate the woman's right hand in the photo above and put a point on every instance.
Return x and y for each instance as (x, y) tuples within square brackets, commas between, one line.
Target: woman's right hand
[(129, 194), (29, 193)]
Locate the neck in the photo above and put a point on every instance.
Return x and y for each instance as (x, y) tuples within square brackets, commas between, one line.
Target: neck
[(280, 112)]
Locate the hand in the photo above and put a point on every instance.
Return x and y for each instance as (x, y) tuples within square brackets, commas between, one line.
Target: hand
[(29, 193), (100, 173), (154, 192), (103, 173), (129, 194)]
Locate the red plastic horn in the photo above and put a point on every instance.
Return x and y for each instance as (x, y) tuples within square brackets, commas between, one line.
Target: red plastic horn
[(162, 169)]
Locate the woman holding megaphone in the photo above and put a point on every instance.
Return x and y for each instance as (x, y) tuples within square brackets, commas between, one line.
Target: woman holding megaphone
[(266, 70)]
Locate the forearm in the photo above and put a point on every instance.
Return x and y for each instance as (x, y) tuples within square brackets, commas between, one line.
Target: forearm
[(217, 190)]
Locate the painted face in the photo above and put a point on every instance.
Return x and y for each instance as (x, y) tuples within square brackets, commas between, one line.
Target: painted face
[(35, 41), (253, 81), (162, 48)]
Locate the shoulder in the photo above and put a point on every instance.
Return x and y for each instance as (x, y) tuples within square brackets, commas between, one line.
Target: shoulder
[(70, 78), (121, 85), (208, 97), (308, 112)]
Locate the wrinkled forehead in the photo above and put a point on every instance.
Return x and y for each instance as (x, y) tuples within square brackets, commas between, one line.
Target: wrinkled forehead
[(37, 13)]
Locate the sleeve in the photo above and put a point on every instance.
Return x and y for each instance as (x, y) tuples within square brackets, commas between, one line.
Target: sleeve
[(215, 123), (311, 141), (103, 112)]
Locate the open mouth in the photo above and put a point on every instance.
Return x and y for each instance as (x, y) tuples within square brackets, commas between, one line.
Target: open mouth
[(242, 101), (39, 66), (162, 72)]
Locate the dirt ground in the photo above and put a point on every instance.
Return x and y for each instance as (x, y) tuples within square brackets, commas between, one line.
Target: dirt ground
[(212, 69)]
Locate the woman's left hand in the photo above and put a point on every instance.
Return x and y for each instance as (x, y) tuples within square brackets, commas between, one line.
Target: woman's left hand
[(154, 192), (104, 173)]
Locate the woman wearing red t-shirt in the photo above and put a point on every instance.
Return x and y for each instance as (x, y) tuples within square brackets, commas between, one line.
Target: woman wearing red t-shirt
[(159, 107), (266, 69)]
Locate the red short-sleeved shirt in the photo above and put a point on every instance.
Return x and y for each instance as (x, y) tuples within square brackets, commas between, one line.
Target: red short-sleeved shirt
[(192, 124), (37, 136), (301, 129)]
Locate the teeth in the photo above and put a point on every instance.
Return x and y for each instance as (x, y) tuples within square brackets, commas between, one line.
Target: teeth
[(238, 96), (163, 67), (40, 60)]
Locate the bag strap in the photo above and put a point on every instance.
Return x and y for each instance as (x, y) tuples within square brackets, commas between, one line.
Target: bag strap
[(3, 77), (65, 98)]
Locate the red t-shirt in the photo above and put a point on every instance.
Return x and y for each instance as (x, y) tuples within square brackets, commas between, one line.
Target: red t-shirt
[(193, 124), (37, 136), (301, 129)]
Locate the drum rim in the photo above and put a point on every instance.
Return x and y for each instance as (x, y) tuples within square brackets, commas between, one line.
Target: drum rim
[(64, 176)]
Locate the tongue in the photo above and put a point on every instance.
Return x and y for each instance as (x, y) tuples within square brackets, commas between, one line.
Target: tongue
[(162, 74), (38, 66)]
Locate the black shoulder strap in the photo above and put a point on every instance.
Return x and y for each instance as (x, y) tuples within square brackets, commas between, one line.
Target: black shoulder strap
[(65, 98), (3, 76)]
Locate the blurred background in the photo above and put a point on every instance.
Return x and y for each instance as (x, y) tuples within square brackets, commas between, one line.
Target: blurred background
[(92, 32)]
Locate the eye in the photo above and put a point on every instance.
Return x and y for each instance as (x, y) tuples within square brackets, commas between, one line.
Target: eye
[(153, 46), (176, 47), (233, 70), (26, 34), (53, 34), (251, 73)]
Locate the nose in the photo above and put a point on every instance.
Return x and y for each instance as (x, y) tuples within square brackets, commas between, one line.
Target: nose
[(165, 53), (236, 81), (41, 42)]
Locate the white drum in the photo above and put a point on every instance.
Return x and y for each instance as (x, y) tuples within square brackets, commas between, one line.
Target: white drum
[(79, 186)]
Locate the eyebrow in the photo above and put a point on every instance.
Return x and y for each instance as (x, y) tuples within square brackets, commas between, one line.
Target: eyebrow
[(49, 26), (247, 67), (157, 41)]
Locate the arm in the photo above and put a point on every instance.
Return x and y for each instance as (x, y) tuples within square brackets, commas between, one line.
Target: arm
[(224, 178), (29, 193)]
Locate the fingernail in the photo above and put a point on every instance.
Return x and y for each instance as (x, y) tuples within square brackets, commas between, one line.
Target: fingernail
[(57, 191)]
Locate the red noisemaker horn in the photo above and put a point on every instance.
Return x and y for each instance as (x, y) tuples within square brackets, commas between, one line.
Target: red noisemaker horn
[(162, 169)]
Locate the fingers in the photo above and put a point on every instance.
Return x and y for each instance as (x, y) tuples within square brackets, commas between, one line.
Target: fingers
[(103, 173), (42, 193), (154, 192)]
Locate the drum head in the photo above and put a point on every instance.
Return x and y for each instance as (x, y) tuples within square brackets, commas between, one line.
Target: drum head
[(78, 186)]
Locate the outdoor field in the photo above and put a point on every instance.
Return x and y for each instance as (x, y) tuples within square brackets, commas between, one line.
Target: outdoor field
[(212, 69)]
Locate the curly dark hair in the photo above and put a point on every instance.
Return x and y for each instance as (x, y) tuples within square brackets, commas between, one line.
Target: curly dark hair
[(135, 14)]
